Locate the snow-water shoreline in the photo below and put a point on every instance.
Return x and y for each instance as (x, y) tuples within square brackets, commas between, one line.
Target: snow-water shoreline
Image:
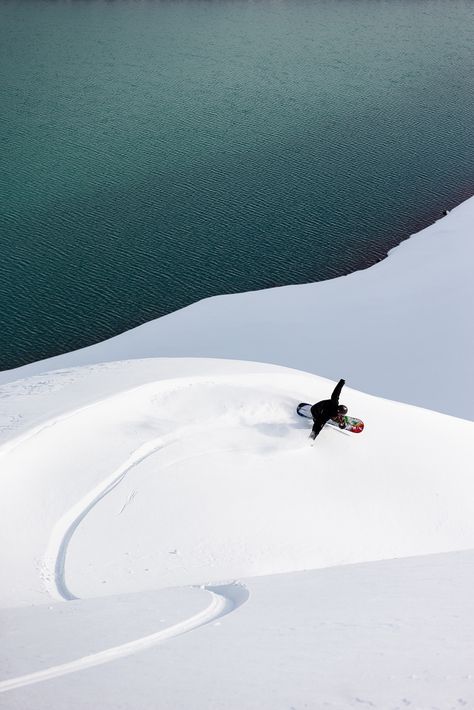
[(398, 329)]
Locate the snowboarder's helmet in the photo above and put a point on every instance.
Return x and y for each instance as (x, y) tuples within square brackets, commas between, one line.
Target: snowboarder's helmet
[(342, 409)]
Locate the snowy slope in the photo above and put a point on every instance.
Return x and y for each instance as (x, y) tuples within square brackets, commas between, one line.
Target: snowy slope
[(399, 329), (386, 635), (147, 504), (122, 481), (219, 470)]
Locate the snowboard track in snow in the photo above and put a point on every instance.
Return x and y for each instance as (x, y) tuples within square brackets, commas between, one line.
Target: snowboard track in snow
[(64, 529), (225, 598), (68, 524)]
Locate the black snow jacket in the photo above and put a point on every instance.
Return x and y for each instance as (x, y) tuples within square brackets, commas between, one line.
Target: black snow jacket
[(323, 411)]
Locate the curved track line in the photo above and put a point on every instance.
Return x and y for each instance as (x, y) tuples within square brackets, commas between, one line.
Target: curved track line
[(63, 531), (224, 599), (67, 525)]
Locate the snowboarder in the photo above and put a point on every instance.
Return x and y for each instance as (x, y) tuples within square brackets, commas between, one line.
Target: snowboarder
[(327, 409)]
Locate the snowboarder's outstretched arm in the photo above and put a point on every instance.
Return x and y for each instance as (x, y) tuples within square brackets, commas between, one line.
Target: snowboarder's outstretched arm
[(337, 391)]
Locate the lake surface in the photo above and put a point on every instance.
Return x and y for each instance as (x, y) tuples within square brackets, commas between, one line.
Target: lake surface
[(155, 153)]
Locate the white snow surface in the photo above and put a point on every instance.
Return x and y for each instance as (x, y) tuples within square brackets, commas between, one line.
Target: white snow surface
[(171, 539), (401, 329)]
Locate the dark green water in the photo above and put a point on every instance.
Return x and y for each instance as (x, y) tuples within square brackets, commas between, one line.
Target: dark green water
[(154, 153)]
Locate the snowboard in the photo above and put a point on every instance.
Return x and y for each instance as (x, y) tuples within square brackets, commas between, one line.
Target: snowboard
[(356, 426)]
